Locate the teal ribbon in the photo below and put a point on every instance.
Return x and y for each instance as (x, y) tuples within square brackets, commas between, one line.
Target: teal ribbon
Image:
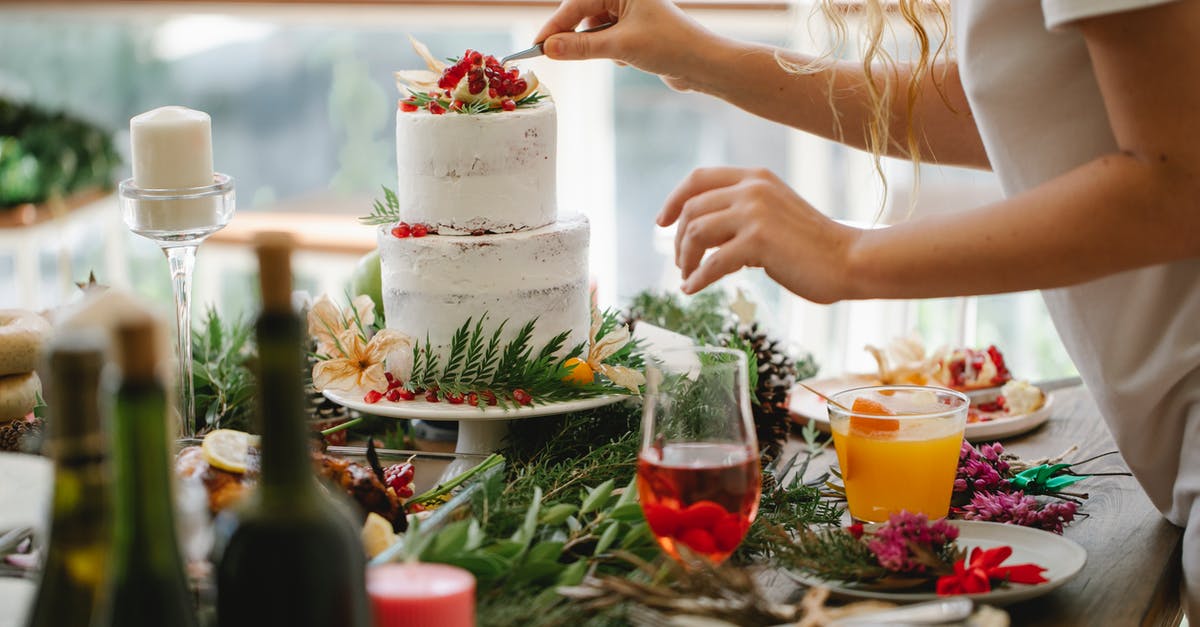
[(1045, 479)]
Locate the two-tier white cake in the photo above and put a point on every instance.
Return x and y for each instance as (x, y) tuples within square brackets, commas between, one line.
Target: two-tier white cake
[(482, 186)]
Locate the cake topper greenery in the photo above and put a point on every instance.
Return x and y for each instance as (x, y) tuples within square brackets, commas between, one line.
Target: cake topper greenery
[(471, 84), (478, 368)]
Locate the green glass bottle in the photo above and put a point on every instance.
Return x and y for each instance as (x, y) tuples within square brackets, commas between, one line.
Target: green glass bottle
[(148, 585), (289, 555), (77, 557)]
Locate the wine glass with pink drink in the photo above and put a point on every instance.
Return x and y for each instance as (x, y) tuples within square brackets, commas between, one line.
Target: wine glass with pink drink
[(699, 478)]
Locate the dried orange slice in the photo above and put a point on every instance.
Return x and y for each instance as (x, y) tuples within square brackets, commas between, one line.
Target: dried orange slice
[(864, 406)]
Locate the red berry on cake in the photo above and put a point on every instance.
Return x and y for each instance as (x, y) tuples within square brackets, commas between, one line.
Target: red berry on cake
[(431, 396), (406, 395), (436, 108), (420, 230), (522, 397), (373, 397), (401, 231), (508, 105), (393, 395), (408, 106), (454, 399)]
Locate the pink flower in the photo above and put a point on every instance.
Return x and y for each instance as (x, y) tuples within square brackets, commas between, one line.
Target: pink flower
[(1019, 508), (891, 543)]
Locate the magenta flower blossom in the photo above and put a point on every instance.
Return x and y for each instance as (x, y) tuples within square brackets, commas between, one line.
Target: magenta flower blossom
[(1019, 508), (891, 542), (981, 469)]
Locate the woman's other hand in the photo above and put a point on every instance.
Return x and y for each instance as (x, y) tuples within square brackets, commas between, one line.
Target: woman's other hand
[(652, 35), (751, 218)]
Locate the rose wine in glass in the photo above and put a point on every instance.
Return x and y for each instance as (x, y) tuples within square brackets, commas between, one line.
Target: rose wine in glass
[(699, 477)]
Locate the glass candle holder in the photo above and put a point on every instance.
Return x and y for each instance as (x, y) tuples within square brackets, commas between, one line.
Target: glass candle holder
[(178, 220)]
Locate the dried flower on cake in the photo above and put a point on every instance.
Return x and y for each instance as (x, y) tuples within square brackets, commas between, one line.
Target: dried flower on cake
[(326, 321), (601, 348), (351, 358), (358, 364)]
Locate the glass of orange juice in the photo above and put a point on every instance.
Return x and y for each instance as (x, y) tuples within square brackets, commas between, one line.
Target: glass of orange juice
[(898, 448)]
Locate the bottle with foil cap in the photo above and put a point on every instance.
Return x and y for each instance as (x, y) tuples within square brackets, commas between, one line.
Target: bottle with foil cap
[(288, 554), (148, 585), (79, 537)]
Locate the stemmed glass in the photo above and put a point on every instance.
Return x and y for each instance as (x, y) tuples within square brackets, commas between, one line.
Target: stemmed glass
[(178, 220), (699, 478)]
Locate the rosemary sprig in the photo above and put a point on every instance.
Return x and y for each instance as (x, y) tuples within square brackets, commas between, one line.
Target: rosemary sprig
[(386, 212)]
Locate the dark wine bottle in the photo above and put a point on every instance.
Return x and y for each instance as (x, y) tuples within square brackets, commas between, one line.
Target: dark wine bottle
[(148, 585), (289, 555), (77, 558)]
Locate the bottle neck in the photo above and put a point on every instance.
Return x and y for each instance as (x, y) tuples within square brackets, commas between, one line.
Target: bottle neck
[(144, 514), (286, 452)]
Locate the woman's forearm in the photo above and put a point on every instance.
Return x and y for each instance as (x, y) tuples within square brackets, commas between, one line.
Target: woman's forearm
[(1116, 213), (749, 76)]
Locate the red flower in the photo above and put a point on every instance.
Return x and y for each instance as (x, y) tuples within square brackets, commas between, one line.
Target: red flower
[(977, 574), (855, 530)]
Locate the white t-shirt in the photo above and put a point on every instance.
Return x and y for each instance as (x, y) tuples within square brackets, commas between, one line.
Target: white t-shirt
[(1134, 336)]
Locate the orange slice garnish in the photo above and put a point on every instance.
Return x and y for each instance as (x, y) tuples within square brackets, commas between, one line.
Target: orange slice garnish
[(864, 406)]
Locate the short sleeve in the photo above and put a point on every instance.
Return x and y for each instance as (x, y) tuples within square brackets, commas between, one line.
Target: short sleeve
[(1059, 13)]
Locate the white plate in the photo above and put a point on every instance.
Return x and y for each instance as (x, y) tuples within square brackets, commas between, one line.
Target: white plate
[(807, 406), (420, 408), (1062, 558)]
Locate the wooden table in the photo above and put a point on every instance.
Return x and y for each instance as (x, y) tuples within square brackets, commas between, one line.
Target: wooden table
[(1132, 576)]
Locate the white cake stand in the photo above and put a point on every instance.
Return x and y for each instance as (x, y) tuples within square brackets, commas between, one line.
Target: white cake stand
[(480, 431)]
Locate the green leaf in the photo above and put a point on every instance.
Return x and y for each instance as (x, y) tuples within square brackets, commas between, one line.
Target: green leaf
[(557, 514), (596, 497), (573, 575), (628, 493), (524, 535), (483, 565), (607, 537), (545, 551), (629, 512), (638, 534), (506, 549), (452, 539)]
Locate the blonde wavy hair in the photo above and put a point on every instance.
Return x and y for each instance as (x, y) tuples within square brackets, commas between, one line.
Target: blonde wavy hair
[(880, 66)]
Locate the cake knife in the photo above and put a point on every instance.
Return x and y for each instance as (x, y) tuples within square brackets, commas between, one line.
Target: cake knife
[(536, 50)]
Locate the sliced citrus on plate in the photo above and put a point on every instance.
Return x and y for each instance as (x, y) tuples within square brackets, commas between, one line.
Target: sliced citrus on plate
[(228, 449), (376, 535)]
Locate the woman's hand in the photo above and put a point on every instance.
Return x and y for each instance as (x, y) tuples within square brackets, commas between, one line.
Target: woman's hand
[(754, 219), (652, 35)]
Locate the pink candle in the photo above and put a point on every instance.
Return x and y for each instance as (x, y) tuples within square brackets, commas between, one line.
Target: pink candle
[(421, 595)]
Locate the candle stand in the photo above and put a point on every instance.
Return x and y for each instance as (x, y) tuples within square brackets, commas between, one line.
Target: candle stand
[(178, 220)]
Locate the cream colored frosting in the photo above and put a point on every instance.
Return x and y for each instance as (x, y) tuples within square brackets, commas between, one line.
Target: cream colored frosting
[(433, 284), (488, 172)]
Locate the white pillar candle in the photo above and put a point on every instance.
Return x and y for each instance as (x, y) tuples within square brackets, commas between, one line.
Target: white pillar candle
[(171, 148)]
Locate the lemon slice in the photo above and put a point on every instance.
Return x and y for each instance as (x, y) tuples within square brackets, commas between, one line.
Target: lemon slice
[(376, 535), (228, 449)]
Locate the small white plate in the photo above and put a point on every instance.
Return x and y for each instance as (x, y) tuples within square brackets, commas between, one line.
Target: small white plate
[(806, 406), (1062, 558), (420, 408)]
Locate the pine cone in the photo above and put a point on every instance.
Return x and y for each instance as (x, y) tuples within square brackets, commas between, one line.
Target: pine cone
[(776, 376), (22, 436), (319, 408)]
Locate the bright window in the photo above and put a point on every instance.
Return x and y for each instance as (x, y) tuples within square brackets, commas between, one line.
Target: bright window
[(302, 102)]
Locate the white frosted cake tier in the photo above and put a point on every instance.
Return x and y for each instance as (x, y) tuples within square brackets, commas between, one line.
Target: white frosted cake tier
[(432, 284), (469, 173)]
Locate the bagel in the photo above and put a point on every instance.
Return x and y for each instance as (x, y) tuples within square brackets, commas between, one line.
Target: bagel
[(22, 336), (18, 395)]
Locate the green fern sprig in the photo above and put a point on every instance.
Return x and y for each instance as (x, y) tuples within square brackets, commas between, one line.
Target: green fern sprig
[(386, 212), (478, 361)]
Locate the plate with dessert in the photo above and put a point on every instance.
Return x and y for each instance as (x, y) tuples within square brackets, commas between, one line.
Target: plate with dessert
[(1001, 406)]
